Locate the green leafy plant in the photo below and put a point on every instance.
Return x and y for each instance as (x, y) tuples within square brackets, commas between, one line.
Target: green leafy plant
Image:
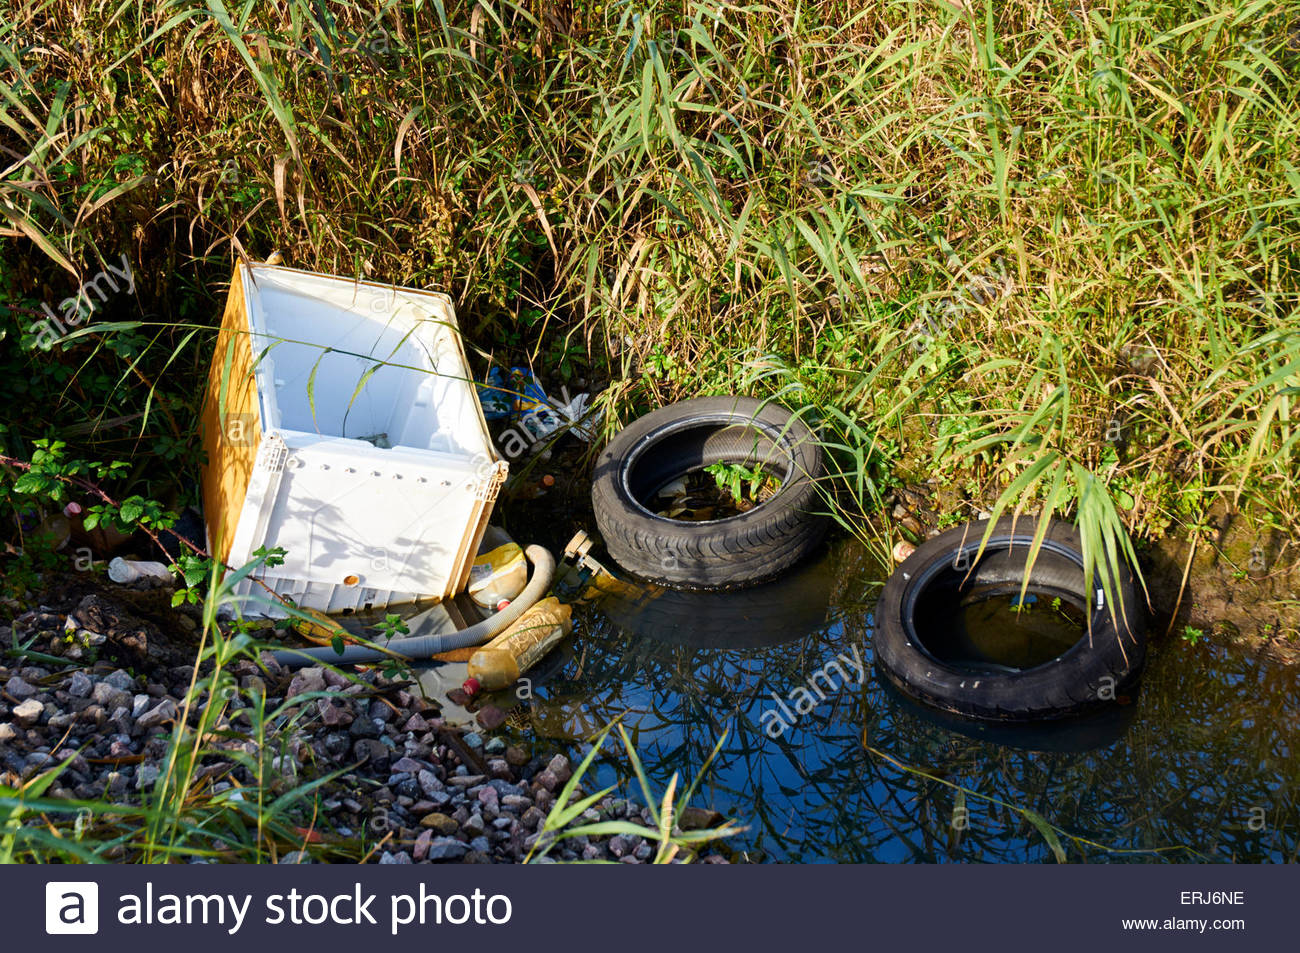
[(673, 843), (739, 481)]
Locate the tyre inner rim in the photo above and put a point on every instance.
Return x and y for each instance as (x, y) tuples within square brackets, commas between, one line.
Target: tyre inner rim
[(968, 616), (672, 452)]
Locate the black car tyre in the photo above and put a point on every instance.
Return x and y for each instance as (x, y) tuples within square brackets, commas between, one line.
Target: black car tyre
[(921, 647), (735, 551)]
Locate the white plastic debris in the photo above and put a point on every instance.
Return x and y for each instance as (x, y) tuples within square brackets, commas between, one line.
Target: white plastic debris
[(128, 570), (583, 422)]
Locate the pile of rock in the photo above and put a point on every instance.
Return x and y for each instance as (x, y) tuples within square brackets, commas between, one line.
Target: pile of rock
[(418, 789)]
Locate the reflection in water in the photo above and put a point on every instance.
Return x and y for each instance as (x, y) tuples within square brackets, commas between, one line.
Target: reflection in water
[(1200, 765)]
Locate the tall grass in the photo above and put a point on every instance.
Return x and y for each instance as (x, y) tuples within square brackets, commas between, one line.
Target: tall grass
[(1048, 252)]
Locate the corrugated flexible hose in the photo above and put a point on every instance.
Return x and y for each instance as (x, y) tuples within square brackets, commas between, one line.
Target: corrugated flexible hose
[(427, 646)]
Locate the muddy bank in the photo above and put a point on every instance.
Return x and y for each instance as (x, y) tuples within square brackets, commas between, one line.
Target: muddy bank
[(1242, 585)]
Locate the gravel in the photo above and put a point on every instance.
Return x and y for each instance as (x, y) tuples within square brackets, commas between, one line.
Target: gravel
[(399, 772)]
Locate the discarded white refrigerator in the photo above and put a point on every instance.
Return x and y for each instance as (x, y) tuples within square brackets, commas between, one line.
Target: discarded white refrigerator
[(341, 423)]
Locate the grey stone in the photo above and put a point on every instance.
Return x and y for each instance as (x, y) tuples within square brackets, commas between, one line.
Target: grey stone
[(475, 825), (428, 781), (480, 844), (20, 689), (284, 766), (375, 753), (337, 744), (446, 848), (39, 759), (407, 788), (473, 739), (333, 714), (306, 680), (619, 846), (29, 712), (559, 766), (121, 681), (547, 779), (400, 857), (146, 775), (421, 849), (140, 705), (495, 745), (164, 712), (505, 788), (643, 853), (80, 685), (110, 696), (7, 732), (296, 857), (541, 839)]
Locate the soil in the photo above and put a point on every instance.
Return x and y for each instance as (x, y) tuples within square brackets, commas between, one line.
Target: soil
[(1243, 586), (134, 628)]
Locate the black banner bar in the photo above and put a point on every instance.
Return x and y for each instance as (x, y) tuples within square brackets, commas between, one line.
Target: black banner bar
[(338, 907)]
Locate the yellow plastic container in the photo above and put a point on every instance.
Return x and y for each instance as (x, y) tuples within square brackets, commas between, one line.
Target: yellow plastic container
[(498, 576), (499, 664)]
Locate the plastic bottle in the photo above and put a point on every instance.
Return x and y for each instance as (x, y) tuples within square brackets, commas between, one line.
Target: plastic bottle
[(499, 663), (498, 576)]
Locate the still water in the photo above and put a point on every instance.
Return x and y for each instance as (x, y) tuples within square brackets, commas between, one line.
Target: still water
[(1198, 765)]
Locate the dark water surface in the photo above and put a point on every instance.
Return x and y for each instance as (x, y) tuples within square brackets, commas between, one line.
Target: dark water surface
[(1200, 764)]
